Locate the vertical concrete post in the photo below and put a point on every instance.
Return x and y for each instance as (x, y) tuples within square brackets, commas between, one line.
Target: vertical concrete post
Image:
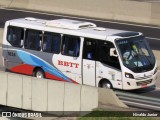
[(55, 97), (3, 88), (27, 93), (72, 98), (14, 96), (39, 94)]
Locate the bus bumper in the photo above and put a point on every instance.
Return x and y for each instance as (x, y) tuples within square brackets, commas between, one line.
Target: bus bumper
[(131, 84)]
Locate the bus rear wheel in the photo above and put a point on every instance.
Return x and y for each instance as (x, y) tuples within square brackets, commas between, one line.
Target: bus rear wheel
[(39, 73), (107, 85)]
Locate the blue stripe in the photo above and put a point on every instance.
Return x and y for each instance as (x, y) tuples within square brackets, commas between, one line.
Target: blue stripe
[(30, 59)]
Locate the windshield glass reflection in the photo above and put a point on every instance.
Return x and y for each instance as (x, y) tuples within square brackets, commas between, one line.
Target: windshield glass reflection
[(136, 54)]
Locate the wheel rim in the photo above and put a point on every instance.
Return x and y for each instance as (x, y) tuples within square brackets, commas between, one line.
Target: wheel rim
[(107, 85), (39, 74)]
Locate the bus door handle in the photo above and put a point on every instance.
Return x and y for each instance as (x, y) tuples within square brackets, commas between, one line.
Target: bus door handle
[(68, 71), (99, 77)]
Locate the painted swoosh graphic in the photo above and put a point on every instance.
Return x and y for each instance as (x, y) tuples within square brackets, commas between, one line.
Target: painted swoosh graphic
[(33, 60)]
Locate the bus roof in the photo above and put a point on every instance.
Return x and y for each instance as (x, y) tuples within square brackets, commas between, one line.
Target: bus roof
[(71, 27)]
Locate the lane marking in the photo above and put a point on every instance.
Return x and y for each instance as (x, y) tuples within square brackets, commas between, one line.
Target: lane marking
[(157, 88), (43, 13), (153, 38), (141, 104)]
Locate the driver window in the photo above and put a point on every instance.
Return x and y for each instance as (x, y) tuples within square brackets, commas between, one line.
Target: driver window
[(104, 48)]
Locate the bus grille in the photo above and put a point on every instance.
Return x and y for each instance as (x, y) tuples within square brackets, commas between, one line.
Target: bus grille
[(140, 78), (144, 82)]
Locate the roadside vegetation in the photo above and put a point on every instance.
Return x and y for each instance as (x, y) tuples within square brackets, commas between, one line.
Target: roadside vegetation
[(114, 115)]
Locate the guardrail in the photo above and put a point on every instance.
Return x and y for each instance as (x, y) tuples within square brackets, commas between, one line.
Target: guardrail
[(123, 10), (139, 101)]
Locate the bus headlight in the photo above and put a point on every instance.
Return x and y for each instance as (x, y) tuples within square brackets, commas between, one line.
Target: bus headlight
[(129, 75)]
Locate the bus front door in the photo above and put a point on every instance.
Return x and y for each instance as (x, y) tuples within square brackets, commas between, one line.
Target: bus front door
[(89, 72), (89, 64)]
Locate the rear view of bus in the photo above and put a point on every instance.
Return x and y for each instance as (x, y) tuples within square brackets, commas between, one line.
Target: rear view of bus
[(139, 65)]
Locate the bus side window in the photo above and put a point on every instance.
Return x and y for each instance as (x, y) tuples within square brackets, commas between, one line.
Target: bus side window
[(15, 36), (70, 45), (51, 42), (33, 40), (104, 54), (89, 50)]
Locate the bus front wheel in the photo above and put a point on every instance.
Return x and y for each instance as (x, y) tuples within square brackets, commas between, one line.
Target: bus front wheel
[(39, 73), (107, 85)]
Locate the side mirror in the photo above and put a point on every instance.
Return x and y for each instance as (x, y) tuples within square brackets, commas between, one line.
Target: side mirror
[(113, 52)]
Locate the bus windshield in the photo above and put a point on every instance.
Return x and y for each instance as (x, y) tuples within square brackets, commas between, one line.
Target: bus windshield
[(136, 54)]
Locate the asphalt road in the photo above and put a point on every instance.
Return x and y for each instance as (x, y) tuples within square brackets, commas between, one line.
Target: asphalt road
[(151, 32)]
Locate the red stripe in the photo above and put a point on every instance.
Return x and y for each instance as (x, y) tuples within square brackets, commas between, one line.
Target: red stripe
[(74, 81), (53, 77), (28, 70), (23, 69)]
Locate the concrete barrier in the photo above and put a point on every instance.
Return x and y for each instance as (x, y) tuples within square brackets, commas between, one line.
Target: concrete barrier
[(56, 97), (105, 98), (5, 3), (1, 36), (157, 55), (39, 94), (27, 93), (110, 9), (122, 10), (61, 98), (14, 93), (155, 14), (89, 98), (3, 88), (72, 98)]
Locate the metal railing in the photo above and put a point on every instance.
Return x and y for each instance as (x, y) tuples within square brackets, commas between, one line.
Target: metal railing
[(139, 101)]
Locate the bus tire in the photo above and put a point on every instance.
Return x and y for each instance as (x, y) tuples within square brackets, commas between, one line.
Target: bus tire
[(39, 73), (107, 85)]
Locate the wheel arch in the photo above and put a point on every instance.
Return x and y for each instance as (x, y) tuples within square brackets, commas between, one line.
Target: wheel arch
[(102, 81), (36, 68)]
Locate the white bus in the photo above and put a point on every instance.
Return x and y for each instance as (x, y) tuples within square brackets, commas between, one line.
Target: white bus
[(78, 52)]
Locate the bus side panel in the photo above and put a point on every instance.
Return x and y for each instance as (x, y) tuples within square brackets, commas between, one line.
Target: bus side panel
[(105, 72), (31, 59), (14, 62), (69, 66)]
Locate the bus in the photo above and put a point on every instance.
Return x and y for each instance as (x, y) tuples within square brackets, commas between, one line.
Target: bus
[(78, 52)]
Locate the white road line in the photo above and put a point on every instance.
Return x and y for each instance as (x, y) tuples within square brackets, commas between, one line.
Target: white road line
[(157, 88), (153, 38), (147, 26), (141, 104)]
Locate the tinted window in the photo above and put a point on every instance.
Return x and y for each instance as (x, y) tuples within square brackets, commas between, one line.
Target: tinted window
[(89, 51), (15, 36), (70, 46), (51, 42), (104, 54), (33, 40)]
